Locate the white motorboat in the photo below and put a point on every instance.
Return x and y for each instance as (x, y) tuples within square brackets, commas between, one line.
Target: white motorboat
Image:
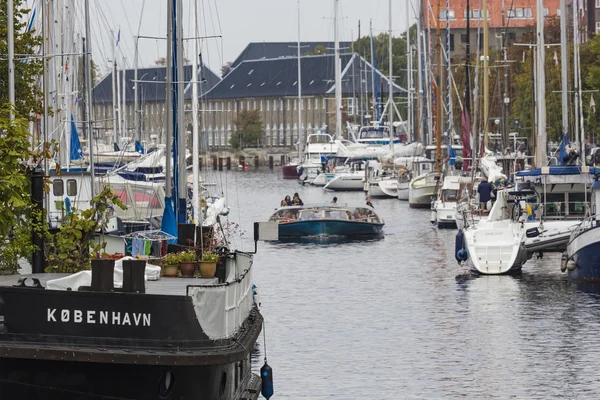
[(495, 245), (422, 190), (346, 181), (444, 207)]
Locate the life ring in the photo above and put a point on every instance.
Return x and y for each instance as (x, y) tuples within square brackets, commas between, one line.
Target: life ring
[(285, 220)]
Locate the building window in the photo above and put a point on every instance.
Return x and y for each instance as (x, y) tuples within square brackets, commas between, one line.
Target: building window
[(352, 106), (309, 105), (558, 12), (324, 104), (449, 14), (254, 105), (451, 42), (546, 11), (528, 13), (281, 105), (295, 104), (512, 36), (261, 105), (235, 106), (597, 27), (268, 105), (477, 14), (463, 38), (288, 104), (316, 104), (597, 3)]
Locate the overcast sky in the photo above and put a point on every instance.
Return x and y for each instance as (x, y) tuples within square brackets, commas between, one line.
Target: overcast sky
[(238, 22)]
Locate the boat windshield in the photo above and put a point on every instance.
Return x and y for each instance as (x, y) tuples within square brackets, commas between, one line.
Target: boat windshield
[(316, 138), (309, 214), (284, 214), (449, 195), (374, 133)]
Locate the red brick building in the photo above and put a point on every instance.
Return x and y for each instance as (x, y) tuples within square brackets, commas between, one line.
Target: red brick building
[(518, 16)]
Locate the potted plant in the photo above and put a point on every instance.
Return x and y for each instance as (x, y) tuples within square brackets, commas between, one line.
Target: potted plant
[(187, 263), (208, 265), (171, 264)]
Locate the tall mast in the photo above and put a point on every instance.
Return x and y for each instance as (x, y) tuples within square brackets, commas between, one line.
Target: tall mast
[(438, 95), (467, 142), (124, 100), (115, 92), (486, 83), (169, 100), (577, 87), (505, 99), (374, 116), (563, 66), (409, 108), (541, 157), (391, 73), (338, 75), (420, 113), (136, 116), (449, 78), (181, 130), (195, 138), (11, 56), (88, 102), (300, 135)]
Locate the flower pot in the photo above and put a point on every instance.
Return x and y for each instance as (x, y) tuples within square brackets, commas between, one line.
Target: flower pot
[(188, 268), (170, 270), (207, 269)]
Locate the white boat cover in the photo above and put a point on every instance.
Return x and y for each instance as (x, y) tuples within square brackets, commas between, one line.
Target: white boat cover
[(84, 278)]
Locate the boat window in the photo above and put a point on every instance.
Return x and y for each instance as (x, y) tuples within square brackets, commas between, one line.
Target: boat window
[(309, 214), (450, 195), (335, 214), (71, 187), (576, 203), (554, 204), (58, 187)]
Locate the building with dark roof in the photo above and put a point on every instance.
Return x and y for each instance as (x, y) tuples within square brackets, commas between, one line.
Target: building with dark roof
[(269, 50), (271, 86), (151, 100)]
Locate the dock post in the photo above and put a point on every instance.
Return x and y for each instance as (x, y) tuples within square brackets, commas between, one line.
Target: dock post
[(270, 162), (214, 162), (220, 163), (228, 163), (255, 161)]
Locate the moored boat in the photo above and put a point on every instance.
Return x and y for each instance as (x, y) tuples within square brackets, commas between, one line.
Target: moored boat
[(334, 220)]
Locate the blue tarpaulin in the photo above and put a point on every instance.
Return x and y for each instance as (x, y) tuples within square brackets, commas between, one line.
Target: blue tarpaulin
[(169, 223), (76, 153), (562, 170)]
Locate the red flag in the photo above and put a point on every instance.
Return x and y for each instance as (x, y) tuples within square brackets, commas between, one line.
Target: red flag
[(466, 138)]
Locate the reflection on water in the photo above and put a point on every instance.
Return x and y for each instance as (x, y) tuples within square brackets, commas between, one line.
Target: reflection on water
[(398, 318)]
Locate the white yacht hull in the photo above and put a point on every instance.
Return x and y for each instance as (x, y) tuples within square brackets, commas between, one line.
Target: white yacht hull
[(383, 188), (422, 190), (346, 183), (445, 214), (496, 248)]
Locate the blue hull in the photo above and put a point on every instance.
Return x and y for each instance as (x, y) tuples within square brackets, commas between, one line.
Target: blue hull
[(587, 261), (299, 229)]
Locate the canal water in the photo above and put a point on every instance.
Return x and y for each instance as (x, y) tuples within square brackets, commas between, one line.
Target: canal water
[(397, 318)]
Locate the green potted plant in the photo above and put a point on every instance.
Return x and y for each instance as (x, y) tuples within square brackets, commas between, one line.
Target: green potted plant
[(187, 263), (208, 265), (170, 265)]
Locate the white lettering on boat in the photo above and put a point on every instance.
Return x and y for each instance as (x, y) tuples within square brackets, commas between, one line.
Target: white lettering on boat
[(106, 317)]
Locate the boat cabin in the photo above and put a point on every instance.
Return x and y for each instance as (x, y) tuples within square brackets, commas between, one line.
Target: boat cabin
[(344, 213)]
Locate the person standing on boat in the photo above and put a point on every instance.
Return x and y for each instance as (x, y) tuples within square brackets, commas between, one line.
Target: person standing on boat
[(369, 202), (485, 193)]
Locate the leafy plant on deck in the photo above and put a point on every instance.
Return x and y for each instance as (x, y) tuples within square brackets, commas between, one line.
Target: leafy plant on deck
[(72, 247), (17, 161)]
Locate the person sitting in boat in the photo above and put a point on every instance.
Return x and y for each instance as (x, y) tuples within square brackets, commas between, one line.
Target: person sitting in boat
[(283, 203), (297, 200), (288, 200), (485, 193), (369, 202)]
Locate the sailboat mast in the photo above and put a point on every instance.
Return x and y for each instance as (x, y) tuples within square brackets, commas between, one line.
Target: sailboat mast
[(438, 95), (391, 76), (115, 93), (169, 141), (541, 156), (300, 135), (563, 67), (181, 130), (11, 56), (124, 100), (409, 106), (486, 83), (338, 74), (375, 115), (420, 120), (577, 86), (88, 94), (195, 138)]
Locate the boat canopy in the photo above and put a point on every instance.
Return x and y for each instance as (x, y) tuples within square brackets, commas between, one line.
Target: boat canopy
[(558, 170)]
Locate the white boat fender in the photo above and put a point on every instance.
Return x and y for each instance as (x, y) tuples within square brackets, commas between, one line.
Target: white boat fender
[(571, 265), (563, 262), (433, 218)]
